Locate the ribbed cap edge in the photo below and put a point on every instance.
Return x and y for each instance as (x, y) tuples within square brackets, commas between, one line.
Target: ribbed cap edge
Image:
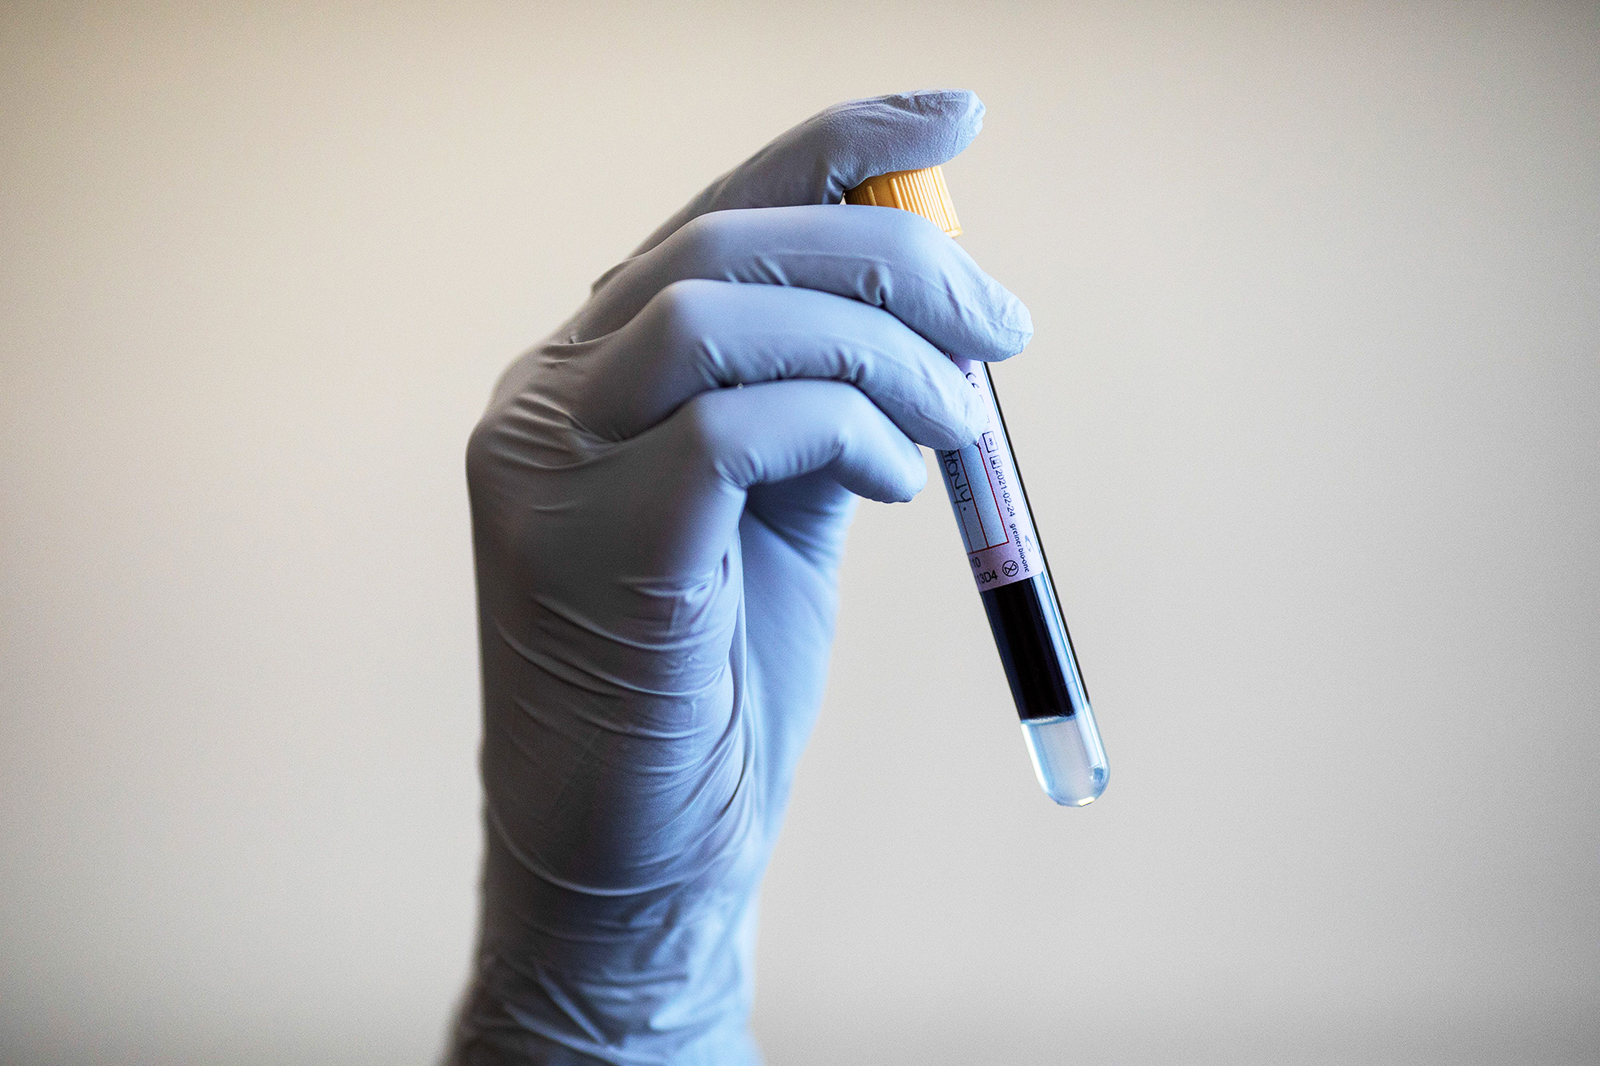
[(920, 191)]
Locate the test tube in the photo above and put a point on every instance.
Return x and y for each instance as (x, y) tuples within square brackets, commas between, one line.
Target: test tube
[(1008, 561)]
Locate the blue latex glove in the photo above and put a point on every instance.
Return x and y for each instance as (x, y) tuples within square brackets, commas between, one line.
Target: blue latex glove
[(660, 493)]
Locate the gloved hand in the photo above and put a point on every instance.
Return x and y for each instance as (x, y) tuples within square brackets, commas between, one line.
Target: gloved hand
[(660, 493)]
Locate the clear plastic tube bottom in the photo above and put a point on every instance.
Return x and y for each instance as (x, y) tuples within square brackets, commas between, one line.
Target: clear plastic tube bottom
[(1068, 757)]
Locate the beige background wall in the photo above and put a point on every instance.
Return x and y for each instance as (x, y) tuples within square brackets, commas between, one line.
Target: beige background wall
[(1312, 421)]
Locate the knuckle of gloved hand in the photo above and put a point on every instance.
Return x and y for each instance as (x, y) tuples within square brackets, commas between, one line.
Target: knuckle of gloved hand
[(480, 452), (704, 240), (707, 429), (856, 426), (684, 313)]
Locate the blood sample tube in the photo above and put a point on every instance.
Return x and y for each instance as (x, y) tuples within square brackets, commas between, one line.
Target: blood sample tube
[(1008, 562)]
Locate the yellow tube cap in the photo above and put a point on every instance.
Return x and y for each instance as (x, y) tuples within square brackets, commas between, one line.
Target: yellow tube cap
[(922, 192)]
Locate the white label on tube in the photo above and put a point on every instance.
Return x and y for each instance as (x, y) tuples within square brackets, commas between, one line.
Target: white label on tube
[(987, 498)]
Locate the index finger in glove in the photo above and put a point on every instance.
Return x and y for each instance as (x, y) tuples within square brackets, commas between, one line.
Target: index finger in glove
[(896, 260), (839, 148)]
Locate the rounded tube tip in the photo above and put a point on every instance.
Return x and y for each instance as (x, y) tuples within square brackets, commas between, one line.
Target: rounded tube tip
[(1068, 758)]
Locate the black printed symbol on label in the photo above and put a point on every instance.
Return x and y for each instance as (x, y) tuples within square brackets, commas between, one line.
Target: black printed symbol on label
[(1010, 568)]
